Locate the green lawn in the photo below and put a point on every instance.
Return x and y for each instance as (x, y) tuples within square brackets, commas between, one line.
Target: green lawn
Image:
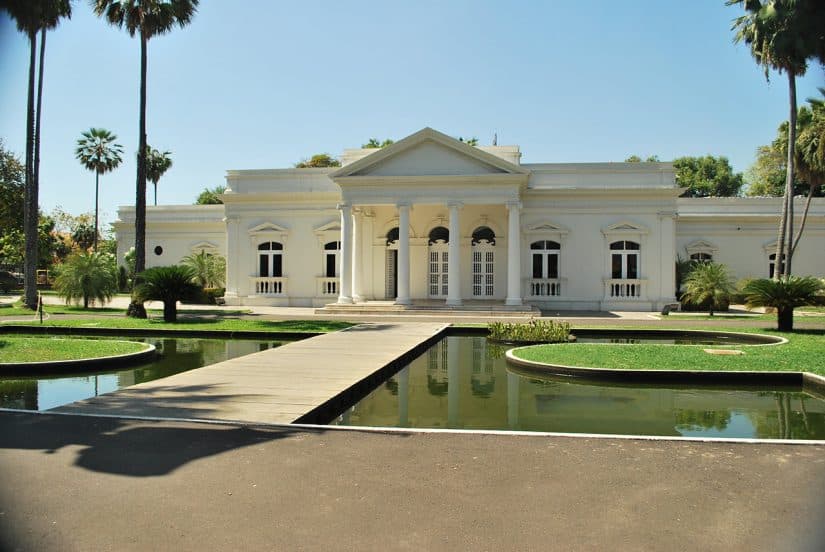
[(18, 310), (209, 324), (802, 353), (33, 349)]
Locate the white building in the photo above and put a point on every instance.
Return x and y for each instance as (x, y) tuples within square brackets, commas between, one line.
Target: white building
[(431, 219)]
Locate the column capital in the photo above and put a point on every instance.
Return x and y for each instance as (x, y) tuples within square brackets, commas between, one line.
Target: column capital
[(403, 204), (343, 205), (232, 218), (513, 204), (455, 204)]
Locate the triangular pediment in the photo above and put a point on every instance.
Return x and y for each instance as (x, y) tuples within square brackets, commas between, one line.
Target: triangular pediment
[(428, 153), (701, 246), (267, 228), (625, 227), (546, 227)]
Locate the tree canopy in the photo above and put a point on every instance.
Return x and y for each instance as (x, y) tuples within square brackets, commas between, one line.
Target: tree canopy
[(636, 159), (11, 191), (375, 144), (707, 176), (210, 196), (318, 160)]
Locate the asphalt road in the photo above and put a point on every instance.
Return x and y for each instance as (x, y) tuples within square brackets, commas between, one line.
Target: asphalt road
[(82, 483)]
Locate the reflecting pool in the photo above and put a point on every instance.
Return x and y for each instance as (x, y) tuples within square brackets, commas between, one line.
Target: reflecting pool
[(176, 355), (464, 382)]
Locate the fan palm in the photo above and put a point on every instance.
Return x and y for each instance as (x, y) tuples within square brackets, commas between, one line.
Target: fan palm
[(784, 295), (708, 283), (210, 270), (97, 152), (33, 16), (146, 18), (169, 284), (157, 163), (782, 35), (88, 277)]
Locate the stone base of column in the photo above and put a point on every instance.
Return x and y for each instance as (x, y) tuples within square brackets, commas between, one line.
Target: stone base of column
[(513, 302), (344, 300), (357, 299), (403, 301), (454, 302)]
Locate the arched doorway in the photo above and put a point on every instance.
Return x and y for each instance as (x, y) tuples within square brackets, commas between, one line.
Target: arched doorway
[(438, 265), (484, 255), (391, 265)]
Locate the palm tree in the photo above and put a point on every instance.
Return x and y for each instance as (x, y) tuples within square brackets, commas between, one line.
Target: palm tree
[(810, 148), (782, 36), (169, 284), (783, 295), (97, 152), (708, 283), (88, 277), (33, 16), (146, 18), (157, 163), (209, 269)]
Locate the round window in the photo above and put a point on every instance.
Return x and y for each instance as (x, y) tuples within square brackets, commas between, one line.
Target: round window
[(158, 250)]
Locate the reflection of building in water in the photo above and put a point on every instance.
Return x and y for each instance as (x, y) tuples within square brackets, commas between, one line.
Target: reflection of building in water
[(437, 377), (483, 379), (575, 407)]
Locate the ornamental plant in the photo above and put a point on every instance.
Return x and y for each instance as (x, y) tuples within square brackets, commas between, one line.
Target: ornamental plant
[(87, 277), (544, 331)]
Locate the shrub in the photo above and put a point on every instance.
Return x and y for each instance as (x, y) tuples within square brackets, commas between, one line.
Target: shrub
[(544, 331), (169, 284), (209, 269), (86, 277), (708, 284), (784, 295)]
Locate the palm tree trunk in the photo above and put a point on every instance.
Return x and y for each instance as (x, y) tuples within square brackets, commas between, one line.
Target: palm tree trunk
[(784, 319), (97, 182), (137, 310), (789, 176), (779, 266), (30, 211), (37, 114), (170, 311), (811, 190), (155, 184)]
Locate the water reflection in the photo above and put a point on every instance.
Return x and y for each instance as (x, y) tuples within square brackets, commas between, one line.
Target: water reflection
[(456, 384), (176, 355)]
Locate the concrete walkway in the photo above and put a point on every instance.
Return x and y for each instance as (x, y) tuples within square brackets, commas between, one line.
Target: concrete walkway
[(278, 385), (81, 483)]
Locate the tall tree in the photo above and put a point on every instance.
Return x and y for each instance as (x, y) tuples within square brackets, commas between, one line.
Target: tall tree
[(707, 176), (157, 163), (210, 196), (318, 160), (783, 35), (98, 152), (147, 19), (375, 144), (33, 17)]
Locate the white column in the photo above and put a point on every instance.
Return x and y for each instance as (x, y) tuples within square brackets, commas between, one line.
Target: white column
[(357, 250), (403, 255), (513, 253), (233, 256), (454, 258), (345, 285)]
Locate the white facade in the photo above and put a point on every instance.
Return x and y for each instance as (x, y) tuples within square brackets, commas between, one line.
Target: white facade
[(587, 236)]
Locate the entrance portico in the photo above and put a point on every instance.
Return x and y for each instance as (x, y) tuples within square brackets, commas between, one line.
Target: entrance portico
[(434, 173)]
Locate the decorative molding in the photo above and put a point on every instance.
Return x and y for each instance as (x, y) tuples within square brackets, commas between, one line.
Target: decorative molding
[(625, 227), (701, 246)]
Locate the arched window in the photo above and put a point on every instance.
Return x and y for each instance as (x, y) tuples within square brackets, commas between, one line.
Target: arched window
[(772, 264), (332, 250), (392, 236), (624, 260), (270, 260), (438, 266), (483, 245)]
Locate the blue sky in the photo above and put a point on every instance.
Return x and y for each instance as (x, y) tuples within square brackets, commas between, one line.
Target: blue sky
[(262, 84)]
